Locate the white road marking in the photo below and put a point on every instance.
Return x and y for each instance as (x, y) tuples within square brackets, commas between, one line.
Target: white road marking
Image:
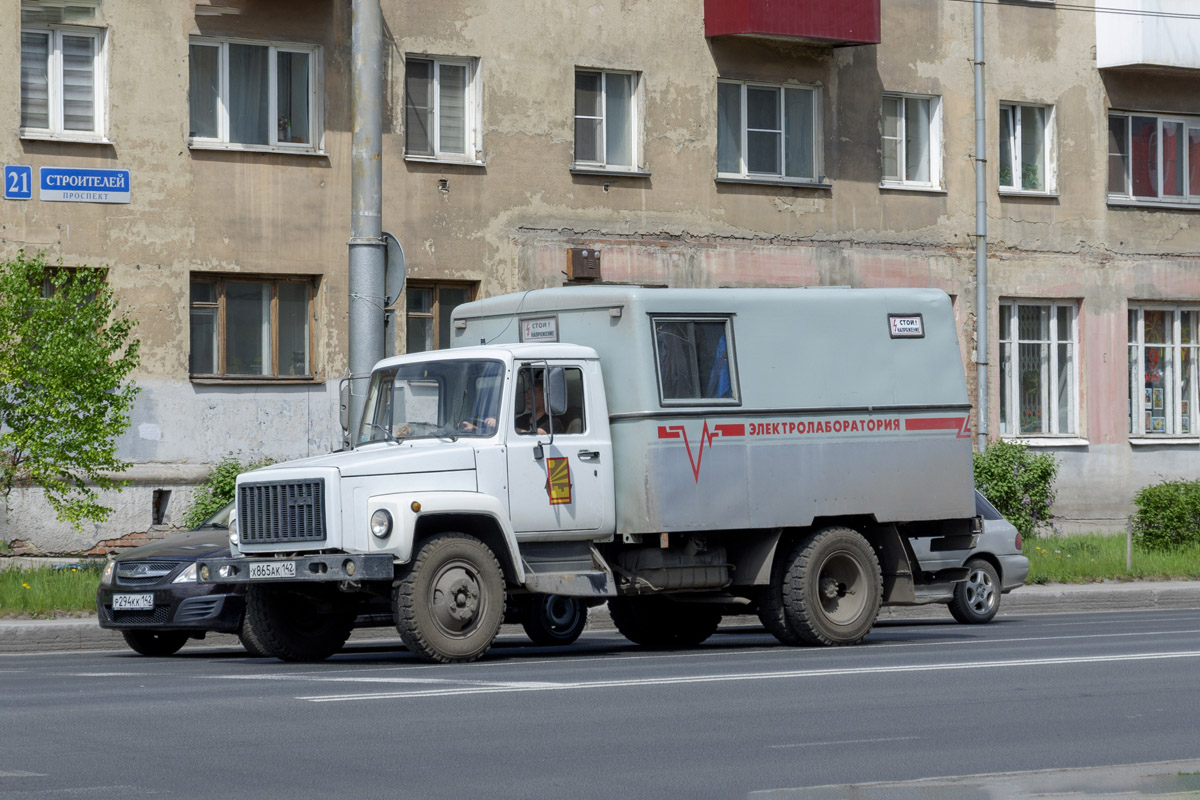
[(18, 773), (510, 687), (845, 741)]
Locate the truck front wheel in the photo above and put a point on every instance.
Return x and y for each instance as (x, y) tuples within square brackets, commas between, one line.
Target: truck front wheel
[(295, 623), (655, 621), (832, 587), (450, 603)]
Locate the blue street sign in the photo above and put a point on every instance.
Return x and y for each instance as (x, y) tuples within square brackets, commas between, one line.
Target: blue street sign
[(68, 185), (18, 183)]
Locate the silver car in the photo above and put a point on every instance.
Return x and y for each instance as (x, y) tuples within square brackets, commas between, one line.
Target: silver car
[(996, 567)]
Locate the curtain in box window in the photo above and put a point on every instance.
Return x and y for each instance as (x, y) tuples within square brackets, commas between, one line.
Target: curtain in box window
[(35, 80), (249, 87), (203, 358), (247, 328), (1033, 149), (1144, 155), (916, 140), (798, 130), (1172, 159), (204, 91), (763, 130), (418, 107), (891, 138), (1194, 161), (79, 82), (618, 127), (452, 102), (293, 329), (729, 128)]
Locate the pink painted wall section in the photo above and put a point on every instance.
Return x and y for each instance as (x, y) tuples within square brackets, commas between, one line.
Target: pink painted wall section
[(834, 21)]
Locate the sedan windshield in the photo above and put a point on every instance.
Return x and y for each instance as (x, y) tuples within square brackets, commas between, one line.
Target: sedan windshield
[(433, 399)]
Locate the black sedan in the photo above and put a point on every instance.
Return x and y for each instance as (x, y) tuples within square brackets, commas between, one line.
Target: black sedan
[(151, 595)]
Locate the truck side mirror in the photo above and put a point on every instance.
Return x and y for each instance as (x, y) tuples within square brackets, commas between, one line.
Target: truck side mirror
[(344, 405), (556, 392)]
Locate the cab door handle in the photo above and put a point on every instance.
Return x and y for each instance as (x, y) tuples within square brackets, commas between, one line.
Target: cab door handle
[(589, 454)]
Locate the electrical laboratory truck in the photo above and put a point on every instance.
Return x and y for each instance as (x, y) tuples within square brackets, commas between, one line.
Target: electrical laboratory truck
[(681, 454)]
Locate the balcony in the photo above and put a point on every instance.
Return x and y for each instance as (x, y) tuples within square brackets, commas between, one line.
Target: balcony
[(1148, 34), (837, 23)]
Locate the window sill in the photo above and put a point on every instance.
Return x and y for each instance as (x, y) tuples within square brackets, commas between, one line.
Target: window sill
[(1169, 440), (254, 380), (454, 162), (1126, 202), (1021, 193), (1048, 441), (912, 187), (765, 181), (610, 173), (70, 138), (254, 148)]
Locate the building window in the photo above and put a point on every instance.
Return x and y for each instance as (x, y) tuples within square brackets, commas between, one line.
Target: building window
[(251, 327), (606, 119), (695, 361), (62, 82), (441, 108), (1026, 153), (766, 131), (248, 95), (1038, 369), (912, 141), (1154, 158), (1163, 345), (427, 312)]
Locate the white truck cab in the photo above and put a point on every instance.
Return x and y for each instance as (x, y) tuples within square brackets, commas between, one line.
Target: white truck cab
[(681, 453)]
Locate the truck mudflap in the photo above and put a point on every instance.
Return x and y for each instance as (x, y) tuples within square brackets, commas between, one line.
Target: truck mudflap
[(315, 568)]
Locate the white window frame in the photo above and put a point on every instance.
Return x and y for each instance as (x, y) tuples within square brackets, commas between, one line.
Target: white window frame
[(934, 136), (55, 91), (744, 174), (1176, 422), (315, 143), (472, 104), (1050, 403), (1190, 195), (634, 119), (1049, 151)]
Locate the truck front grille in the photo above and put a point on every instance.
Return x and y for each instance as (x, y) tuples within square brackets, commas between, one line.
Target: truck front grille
[(279, 513)]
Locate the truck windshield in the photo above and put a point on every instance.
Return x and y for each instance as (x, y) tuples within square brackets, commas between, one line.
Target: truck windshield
[(433, 399)]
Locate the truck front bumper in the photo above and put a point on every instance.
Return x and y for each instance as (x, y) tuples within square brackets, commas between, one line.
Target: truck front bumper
[(310, 569)]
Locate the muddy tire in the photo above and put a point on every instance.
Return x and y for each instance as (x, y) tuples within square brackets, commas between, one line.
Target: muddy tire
[(308, 623), (977, 599), (248, 641), (450, 603), (772, 608), (660, 623), (155, 643), (832, 587), (552, 620)]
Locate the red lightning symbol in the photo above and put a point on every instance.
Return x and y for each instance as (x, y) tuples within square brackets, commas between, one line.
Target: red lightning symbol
[(706, 438)]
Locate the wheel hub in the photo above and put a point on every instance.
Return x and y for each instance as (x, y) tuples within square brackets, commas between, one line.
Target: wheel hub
[(456, 599)]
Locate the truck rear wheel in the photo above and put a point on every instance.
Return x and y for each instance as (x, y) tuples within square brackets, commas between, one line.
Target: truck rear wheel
[(658, 622), (832, 587), (295, 623), (553, 620), (450, 604)]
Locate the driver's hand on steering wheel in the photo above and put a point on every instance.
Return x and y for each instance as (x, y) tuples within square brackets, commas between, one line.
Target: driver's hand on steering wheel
[(485, 425)]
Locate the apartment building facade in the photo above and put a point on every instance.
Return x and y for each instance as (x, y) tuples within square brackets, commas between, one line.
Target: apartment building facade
[(689, 143)]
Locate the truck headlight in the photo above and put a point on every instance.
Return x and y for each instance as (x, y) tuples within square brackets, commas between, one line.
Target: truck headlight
[(381, 523), (234, 537), (107, 575)]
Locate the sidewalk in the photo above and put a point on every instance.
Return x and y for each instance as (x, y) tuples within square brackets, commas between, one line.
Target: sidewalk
[(83, 633)]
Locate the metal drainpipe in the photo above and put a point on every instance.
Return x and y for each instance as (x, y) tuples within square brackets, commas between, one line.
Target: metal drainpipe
[(367, 249), (981, 294)]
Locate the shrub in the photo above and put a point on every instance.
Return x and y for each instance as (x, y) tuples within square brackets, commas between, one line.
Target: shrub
[(1167, 516), (1020, 484), (218, 488)]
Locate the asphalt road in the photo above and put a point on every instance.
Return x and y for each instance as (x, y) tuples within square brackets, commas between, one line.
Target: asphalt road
[(1057, 699)]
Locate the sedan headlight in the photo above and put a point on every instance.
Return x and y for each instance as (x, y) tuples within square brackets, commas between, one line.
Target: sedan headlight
[(381, 523), (188, 575), (107, 576)]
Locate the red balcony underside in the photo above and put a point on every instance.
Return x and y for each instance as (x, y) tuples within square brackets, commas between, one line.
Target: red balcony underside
[(833, 22)]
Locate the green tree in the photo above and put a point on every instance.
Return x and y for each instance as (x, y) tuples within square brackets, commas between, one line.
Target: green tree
[(65, 397), (218, 488)]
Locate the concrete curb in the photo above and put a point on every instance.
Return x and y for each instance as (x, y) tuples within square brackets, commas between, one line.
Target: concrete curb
[(84, 633)]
